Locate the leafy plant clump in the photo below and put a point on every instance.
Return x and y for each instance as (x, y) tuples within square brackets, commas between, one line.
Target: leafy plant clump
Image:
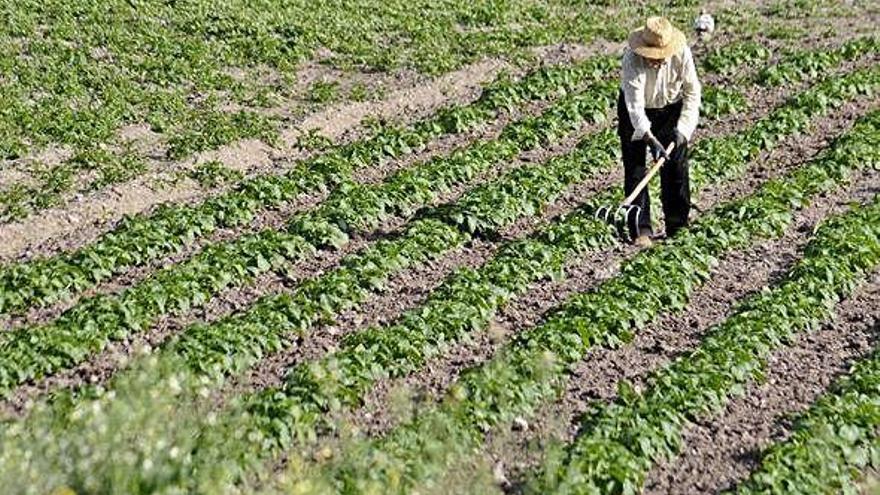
[(213, 173)]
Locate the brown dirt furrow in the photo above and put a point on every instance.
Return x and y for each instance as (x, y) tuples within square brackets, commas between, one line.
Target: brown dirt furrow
[(88, 215), (81, 220), (23, 170), (869, 482), (722, 450), (792, 152), (582, 274), (404, 291), (103, 364), (565, 52), (736, 276), (274, 219), (12, 177), (142, 139), (414, 100)]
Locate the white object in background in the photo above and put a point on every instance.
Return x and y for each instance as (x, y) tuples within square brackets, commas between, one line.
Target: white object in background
[(704, 24)]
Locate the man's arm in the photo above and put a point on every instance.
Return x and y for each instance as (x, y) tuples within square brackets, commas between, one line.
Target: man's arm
[(633, 85), (691, 94)]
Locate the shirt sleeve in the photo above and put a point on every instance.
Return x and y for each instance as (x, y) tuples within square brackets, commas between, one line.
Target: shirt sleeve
[(692, 93), (633, 86)]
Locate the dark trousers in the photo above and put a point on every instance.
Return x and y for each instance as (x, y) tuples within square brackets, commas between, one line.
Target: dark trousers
[(674, 182)]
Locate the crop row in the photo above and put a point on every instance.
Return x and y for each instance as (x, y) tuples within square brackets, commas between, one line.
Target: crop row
[(530, 370), (831, 442), (236, 342), (733, 58), (794, 66), (621, 441), (31, 352), (144, 238), (86, 75), (587, 222), (817, 62), (464, 303)]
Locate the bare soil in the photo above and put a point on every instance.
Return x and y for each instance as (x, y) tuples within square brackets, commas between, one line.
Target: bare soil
[(721, 451), (737, 275), (585, 273), (82, 219), (102, 365), (97, 212)]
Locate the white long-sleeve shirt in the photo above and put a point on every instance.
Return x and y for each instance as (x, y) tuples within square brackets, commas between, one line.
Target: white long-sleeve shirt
[(647, 87)]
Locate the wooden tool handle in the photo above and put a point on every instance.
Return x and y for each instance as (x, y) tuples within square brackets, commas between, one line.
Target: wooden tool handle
[(644, 182)]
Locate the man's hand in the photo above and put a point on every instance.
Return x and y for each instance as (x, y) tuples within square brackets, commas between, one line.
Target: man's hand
[(654, 145), (680, 146)]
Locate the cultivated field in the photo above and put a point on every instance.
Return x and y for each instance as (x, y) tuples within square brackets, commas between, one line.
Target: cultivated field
[(350, 247)]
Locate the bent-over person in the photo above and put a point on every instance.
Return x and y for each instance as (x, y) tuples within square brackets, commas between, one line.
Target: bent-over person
[(659, 104)]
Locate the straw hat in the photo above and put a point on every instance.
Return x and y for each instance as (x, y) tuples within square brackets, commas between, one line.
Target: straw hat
[(658, 39)]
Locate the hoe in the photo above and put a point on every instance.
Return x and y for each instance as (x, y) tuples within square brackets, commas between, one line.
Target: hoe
[(627, 212)]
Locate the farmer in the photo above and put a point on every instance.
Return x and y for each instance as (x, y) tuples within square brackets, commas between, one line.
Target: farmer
[(658, 104)]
